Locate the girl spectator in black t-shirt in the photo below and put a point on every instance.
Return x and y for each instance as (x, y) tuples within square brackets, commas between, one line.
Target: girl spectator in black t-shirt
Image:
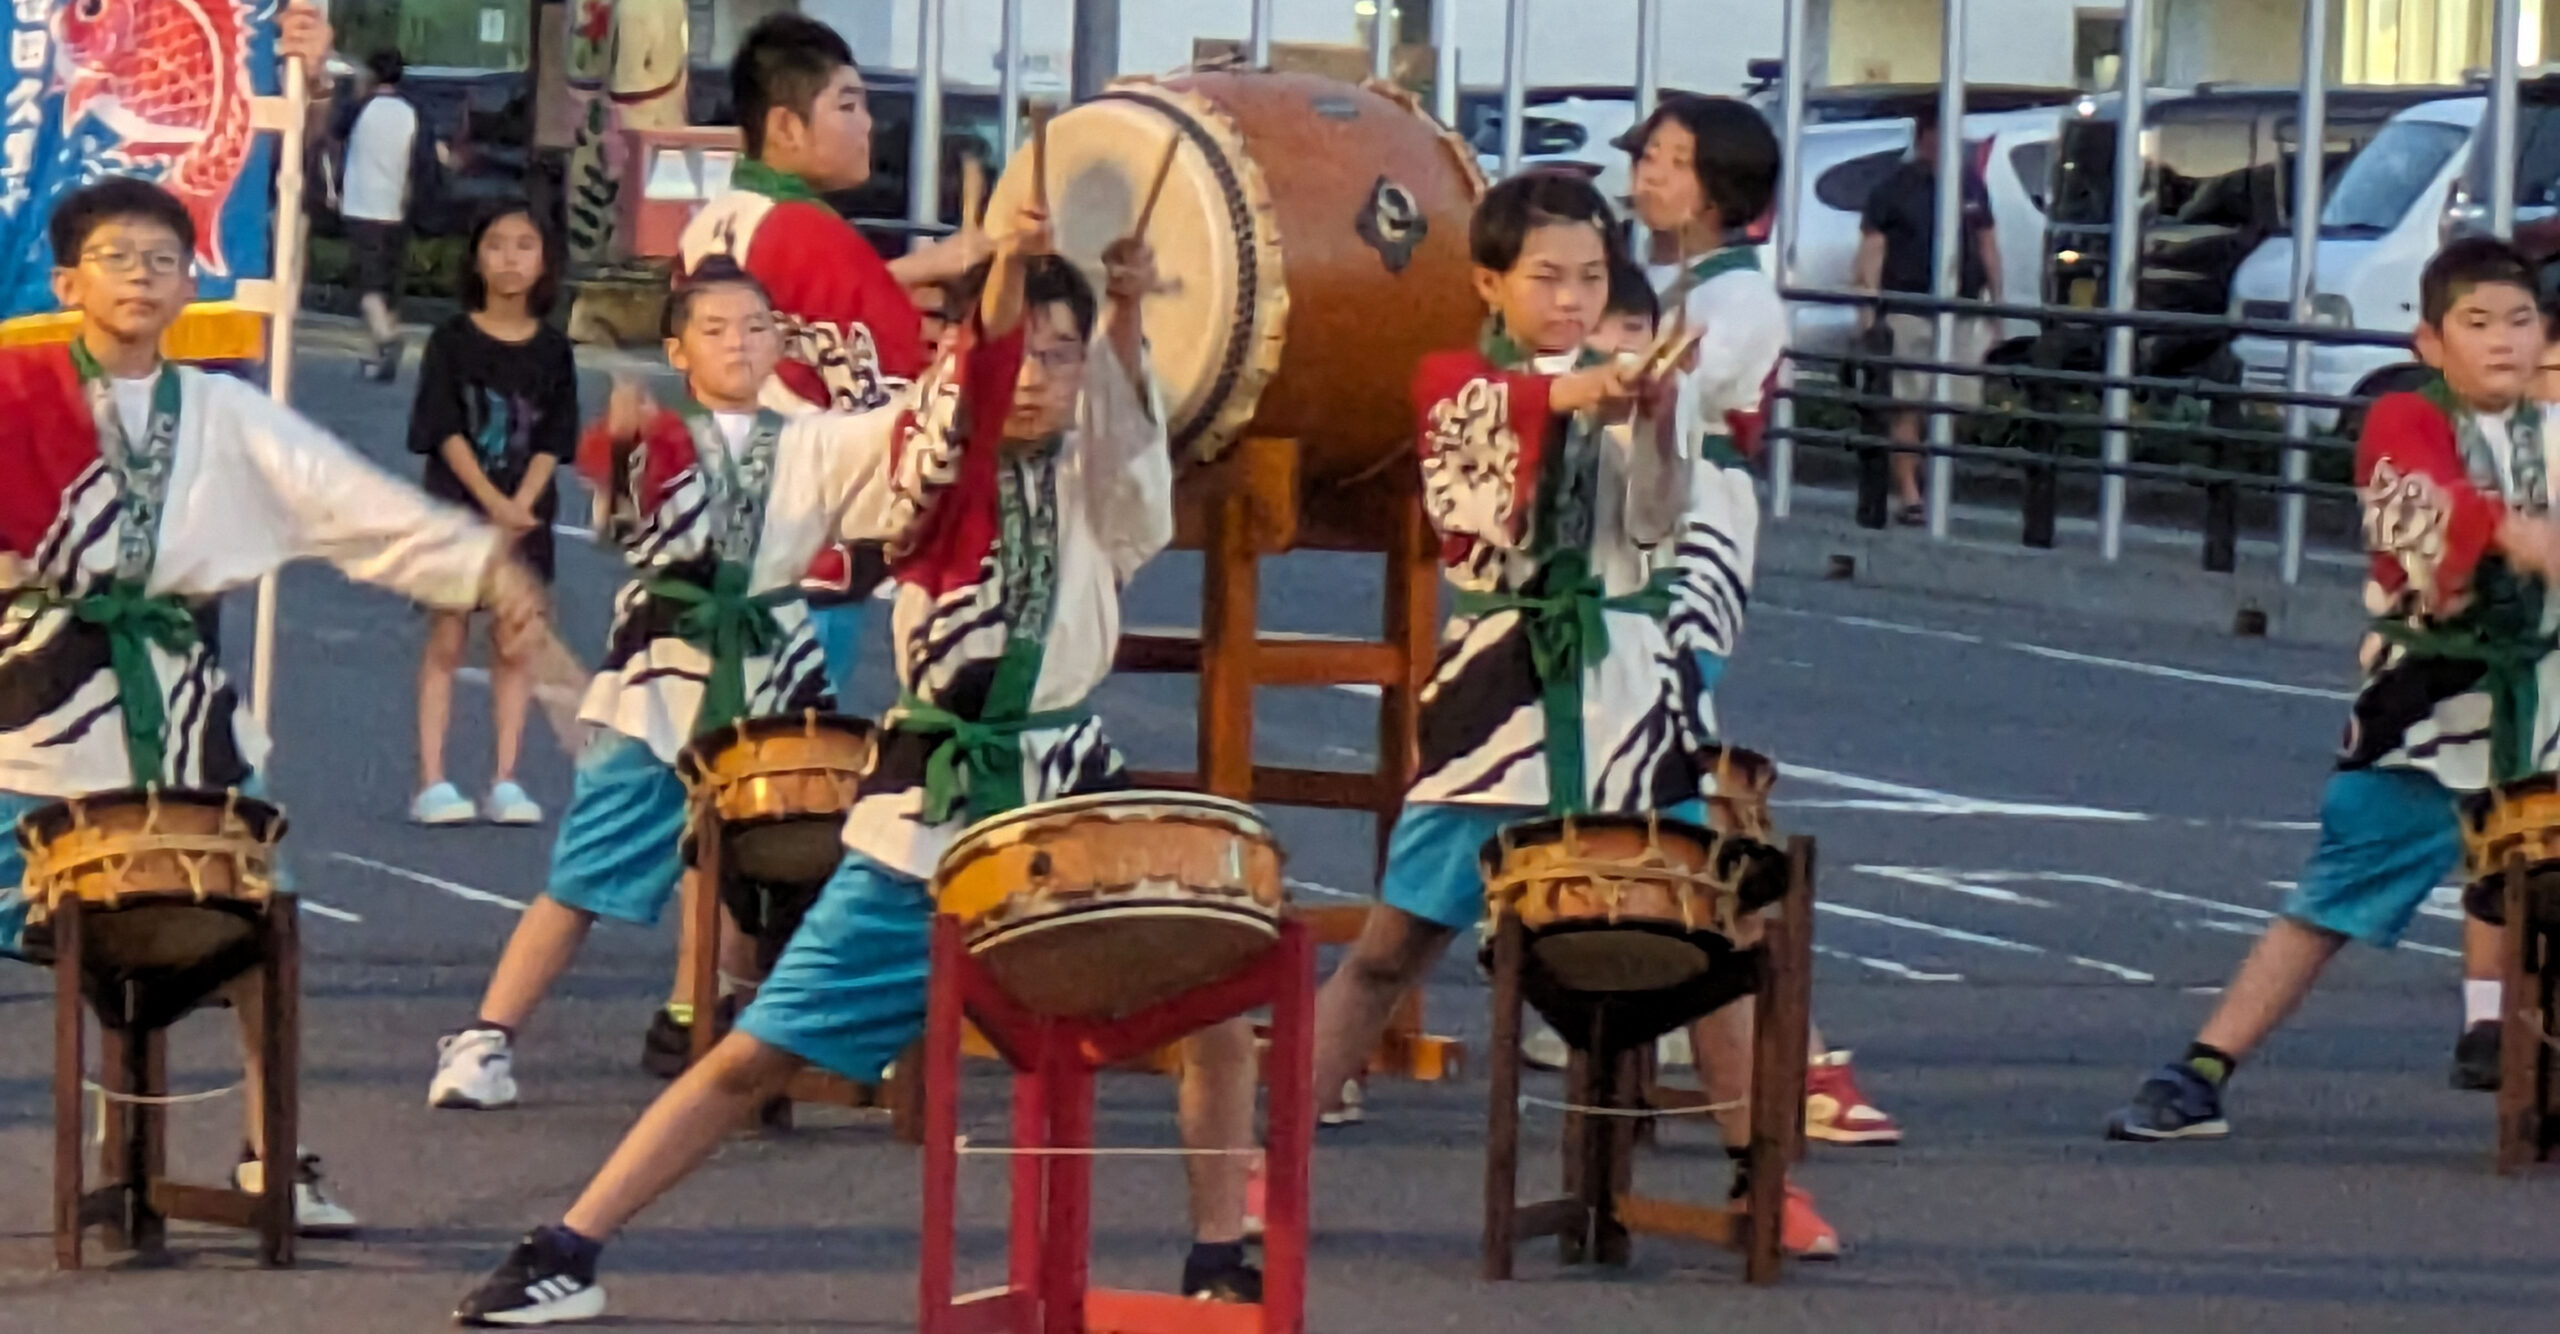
[(496, 415)]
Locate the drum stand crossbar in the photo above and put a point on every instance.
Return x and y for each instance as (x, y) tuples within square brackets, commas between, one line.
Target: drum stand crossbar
[(134, 1207), (1607, 1104), (1054, 1061), (2528, 1091), (1235, 512)]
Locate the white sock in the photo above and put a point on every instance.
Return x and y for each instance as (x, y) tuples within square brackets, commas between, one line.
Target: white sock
[(2480, 1000)]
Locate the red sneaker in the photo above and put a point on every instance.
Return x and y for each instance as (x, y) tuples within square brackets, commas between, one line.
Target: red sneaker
[(1834, 1109), (1802, 1232)]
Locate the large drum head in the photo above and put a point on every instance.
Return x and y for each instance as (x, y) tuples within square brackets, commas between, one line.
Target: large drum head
[(1109, 960)]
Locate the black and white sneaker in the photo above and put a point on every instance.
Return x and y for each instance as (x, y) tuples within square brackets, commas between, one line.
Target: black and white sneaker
[(541, 1283), (1220, 1273)]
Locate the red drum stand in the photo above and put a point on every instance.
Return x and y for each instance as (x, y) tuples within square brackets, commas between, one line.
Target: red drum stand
[(1054, 1061)]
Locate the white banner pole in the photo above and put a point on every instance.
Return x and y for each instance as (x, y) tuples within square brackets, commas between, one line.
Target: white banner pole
[(287, 303)]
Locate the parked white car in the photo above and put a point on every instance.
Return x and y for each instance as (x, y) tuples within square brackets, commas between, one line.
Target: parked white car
[(2384, 218), (1845, 160)]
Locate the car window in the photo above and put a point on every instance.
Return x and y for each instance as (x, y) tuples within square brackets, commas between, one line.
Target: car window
[(2033, 162), (2537, 157), (1540, 136), (2203, 174), (2392, 173), (1848, 186)]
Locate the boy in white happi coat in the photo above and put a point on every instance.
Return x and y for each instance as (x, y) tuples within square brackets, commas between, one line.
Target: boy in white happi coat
[(1009, 559), (130, 487)]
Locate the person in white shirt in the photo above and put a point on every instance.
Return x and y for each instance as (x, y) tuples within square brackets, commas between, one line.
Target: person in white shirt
[(375, 204)]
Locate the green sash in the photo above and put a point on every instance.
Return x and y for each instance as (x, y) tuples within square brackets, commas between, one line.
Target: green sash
[(781, 187), (729, 624)]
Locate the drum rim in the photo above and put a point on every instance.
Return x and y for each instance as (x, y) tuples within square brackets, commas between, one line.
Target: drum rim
[(699, 752), (1489, 857), (1265, 919), (266, 819), (1197, 802)]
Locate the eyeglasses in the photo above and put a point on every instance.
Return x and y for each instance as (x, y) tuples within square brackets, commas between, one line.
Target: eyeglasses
[(1058, 359), (119, 263)]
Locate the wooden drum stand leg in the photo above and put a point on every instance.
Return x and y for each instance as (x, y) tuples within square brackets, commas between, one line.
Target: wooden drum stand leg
[(70, 1027), (2524, 1053), (1502, 1110), (702, 925), (280, 1047), (1784, 1019)]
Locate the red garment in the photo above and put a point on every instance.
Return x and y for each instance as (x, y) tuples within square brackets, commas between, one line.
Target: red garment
[(1484, 434), (665, 447), (2426, 524), (51, 441)]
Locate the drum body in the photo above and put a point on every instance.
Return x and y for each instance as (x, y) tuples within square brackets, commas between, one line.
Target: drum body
[(1315, 236), (2519, 818), (779, 788), (171, 884), (1097, 907)]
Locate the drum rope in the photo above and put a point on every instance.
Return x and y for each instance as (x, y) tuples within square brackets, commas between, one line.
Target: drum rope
[(1633, 1113), (100, 1095), (960, 1144)]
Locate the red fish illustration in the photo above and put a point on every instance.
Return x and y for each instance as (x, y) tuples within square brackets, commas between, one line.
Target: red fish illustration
[(171, 79)]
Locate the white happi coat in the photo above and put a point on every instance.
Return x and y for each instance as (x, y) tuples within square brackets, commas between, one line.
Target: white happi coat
[(1744, 326)]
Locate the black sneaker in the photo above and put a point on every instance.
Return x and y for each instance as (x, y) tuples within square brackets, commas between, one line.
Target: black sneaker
[(667, 1049), (2175, 1103), (2476, 1067), (539, 1284), (1221, 1274)]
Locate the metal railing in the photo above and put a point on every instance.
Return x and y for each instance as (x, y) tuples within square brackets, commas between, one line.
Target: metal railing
[(2043, 422)]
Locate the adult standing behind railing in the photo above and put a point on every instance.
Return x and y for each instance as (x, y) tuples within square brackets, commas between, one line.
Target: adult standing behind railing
[(1897, 246)]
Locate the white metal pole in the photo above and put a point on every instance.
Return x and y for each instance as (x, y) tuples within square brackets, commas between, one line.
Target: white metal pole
[(2508, 18), (1648, 56), (1444, 61), (2124, 263), (1947, 264), (2310, 172), (1258, 43), (287, 280), (1515, 86), (1009, 85), (924, 150), (1382, 40), (1791, 86)]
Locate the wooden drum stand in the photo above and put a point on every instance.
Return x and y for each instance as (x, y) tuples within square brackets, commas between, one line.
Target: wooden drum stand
[(135, 1206), (1606, 1106), (2528, 1092), (1250, 504)]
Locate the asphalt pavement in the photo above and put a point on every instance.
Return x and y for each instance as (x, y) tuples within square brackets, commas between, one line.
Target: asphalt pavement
[(2046, 836)]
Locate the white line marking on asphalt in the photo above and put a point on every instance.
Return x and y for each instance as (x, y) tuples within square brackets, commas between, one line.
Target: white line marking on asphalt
[(333, 914), (1949, 802), (1933, 880), (1320, 891), (2182, 674), (2444, 902), (459, 891), (2283, 826), (2244, 929), (1977, 938), (1897, 627), (2109, 882), (1901, 970), (574, 531)]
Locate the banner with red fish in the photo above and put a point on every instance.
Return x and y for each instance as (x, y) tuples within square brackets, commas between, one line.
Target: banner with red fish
[(159, 89)]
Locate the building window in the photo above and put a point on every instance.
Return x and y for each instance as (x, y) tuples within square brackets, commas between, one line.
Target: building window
[(458, 34), (2097, 47)]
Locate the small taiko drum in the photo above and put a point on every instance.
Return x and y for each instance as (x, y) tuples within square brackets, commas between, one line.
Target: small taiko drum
[(1096, 907), (167, 879), (1627, 903), (1314, 235), (779, 787), (2519, 819)]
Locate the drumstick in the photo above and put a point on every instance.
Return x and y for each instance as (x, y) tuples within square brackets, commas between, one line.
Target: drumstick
[(1155, 191), (973, 191), (560, 687), (1040, 158)]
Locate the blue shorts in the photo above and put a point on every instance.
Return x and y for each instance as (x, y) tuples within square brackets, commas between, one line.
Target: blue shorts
[(621, 848), (1431, 857), (848, 994), (2388, 837), (13, 861), (839, 626)]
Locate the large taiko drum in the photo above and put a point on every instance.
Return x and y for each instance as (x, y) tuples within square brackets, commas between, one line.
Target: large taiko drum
[(1316, 237), (1096, 907)]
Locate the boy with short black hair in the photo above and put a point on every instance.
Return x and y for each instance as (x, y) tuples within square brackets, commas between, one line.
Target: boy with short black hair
[(128, 486), (2458, 520), (1011, 548)]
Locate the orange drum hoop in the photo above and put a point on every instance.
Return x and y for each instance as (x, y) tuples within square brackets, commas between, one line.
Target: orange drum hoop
[(1612, 903), (153, 857), (2519, 817), (1098, 906), (780, 787)]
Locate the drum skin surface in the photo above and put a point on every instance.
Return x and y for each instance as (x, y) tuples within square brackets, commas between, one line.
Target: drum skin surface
[(780, 787), (1314, 233), (1609, 900), (1097, 907)]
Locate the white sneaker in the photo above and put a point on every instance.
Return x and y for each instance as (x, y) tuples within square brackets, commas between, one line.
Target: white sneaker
[(442, 804), (314, 1213), (508, 804), (1671, 1051), (1351, 1113), (1542, 1047), (475, 1071)]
